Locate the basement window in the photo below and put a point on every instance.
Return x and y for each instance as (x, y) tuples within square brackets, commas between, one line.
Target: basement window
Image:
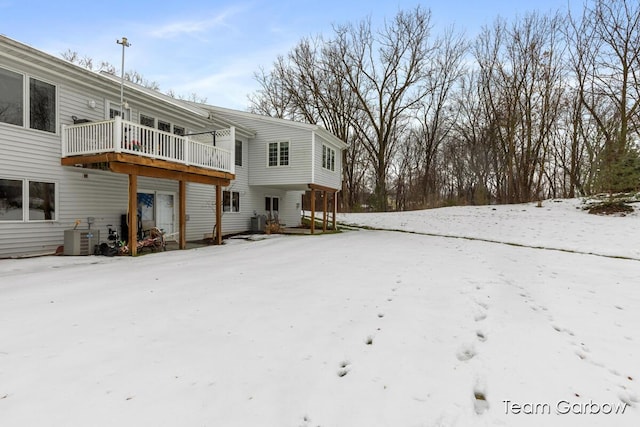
[(26, 199)]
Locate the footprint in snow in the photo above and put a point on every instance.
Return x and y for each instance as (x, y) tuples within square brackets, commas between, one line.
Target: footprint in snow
[(629, 398), (305, 420), (480, 317), (344, 368), (483, 305), (480, 402), (465, 352), (481, 336)]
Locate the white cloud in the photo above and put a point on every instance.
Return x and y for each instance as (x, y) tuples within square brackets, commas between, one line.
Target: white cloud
[(196, 26)]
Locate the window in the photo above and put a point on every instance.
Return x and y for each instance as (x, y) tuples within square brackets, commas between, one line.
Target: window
[(238, 153), (278, 154), (164, 126), (42, 201), (114, 111), (230, 201), (328, 158), (42, 105), (41, 198), (11, 200), (42, 102), (147, 121), (11, 101)]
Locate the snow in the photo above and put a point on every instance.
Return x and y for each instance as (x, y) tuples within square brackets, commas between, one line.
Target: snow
[(443, 325)]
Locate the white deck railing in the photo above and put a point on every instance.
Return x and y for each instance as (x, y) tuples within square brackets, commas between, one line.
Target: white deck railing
[(121, 136)]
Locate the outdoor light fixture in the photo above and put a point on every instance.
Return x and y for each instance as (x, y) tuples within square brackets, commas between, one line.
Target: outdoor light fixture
[(125, 43)]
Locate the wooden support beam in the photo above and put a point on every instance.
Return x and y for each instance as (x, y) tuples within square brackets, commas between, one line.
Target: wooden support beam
[(322, 188), (313, 211), (166, 174), (335, 209), (132, 239), (182, 215), (218, 215), (324, 212), (125, 163)]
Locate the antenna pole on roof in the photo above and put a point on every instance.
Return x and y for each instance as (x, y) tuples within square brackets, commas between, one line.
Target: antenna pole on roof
[(125, 43)]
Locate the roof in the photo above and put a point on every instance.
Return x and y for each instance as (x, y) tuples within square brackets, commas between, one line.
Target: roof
[(105, 81), (277, 121)]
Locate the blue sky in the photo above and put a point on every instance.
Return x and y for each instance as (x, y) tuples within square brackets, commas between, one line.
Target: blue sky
[(213, 48)]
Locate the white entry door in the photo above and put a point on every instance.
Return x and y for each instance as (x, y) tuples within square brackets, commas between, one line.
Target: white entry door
[(165, 212)]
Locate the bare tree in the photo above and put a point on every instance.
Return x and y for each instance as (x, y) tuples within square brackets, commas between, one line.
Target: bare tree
[(272, 99), (605, 58), (520, 72), (436, 115), (87, 62), (384, 70)]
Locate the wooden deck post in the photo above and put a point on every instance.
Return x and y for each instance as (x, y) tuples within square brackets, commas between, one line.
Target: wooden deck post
[(313, 210), (218, 240), (132, 238), (335, 209), (182, 215), (324, 212)]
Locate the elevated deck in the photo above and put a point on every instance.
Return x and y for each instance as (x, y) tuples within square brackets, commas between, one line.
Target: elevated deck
[(120, 142)]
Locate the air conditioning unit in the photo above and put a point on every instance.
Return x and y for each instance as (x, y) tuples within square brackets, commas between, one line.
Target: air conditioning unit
[(80, 242)]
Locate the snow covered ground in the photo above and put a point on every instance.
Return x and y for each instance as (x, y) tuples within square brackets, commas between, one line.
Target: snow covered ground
[(362, 328)]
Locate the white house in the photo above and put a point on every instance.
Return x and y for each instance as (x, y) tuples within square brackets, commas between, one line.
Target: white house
[(73, 153)]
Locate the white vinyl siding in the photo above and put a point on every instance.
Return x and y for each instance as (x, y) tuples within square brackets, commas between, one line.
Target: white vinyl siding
[(201, 202), (328, 162), (30, 155), (305, 153)]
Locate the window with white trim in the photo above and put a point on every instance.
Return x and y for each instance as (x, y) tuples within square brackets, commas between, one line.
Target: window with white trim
[(328, 158), (230, 201), (164, 126), (115, 110), (40, 100), (27, 200), (147, 121), (278, 154)]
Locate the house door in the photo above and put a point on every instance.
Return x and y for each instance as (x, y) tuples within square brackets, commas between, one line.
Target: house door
[(165, 208), (272, 206), (157, 208)]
